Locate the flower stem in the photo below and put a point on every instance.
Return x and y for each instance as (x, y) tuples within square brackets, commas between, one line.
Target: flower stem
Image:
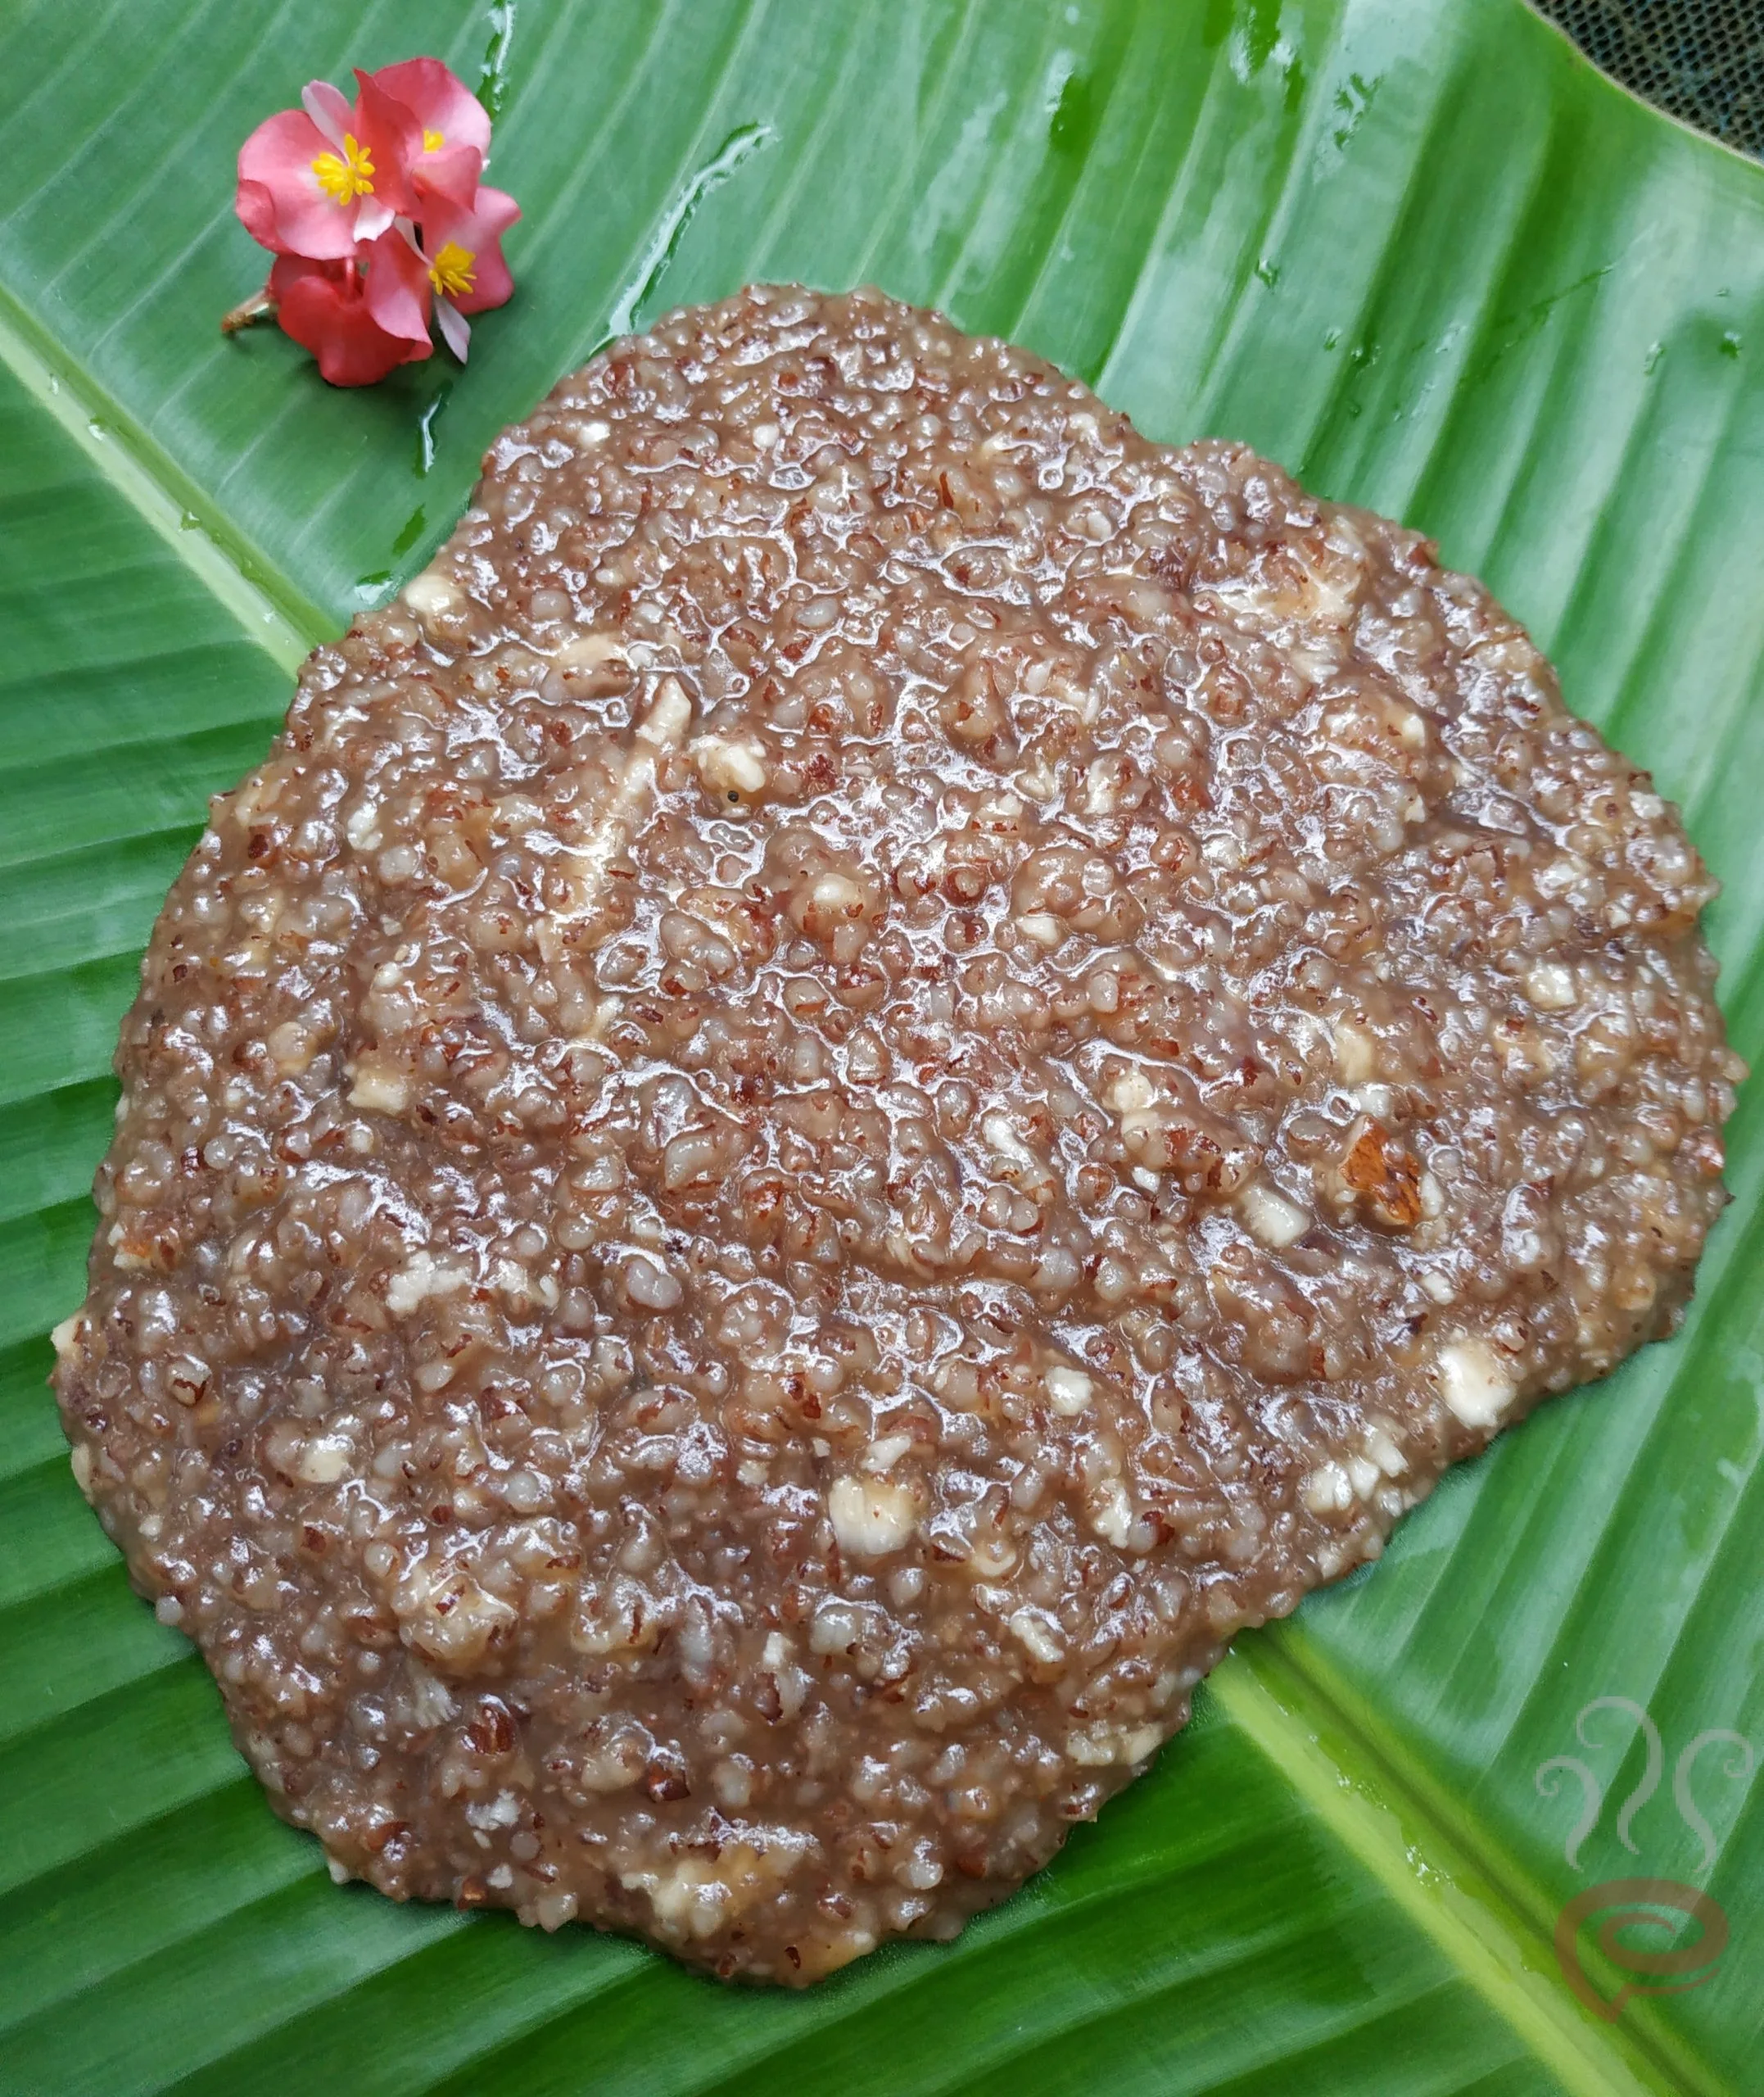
[(259, 306)]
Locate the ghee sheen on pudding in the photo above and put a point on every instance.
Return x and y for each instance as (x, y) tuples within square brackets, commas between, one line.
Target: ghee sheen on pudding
[(884, 1060)]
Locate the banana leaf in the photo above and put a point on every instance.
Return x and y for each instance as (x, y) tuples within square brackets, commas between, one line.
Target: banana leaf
[(1418, 251)]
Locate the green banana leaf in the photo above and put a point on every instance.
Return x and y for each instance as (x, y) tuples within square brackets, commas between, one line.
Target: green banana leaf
[(1418, 251)]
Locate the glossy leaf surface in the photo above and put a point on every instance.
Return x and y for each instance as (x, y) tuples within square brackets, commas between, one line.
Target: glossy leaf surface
[(1423, 256)]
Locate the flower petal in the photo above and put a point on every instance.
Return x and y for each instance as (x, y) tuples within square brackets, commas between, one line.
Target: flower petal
[(326, 311), (329, 109), (280, 201), (393, 140), (289, 270), (478, 234), (456, 330), (373, 217), (256, 208), (398, 287), (439, 101), (451, 175)]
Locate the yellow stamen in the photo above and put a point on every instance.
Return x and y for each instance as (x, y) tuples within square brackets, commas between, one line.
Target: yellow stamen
[(432, 142), (450, 271), (343, 178)]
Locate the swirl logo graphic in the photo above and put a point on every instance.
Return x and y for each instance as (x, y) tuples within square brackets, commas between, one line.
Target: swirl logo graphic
[(1618, 1910), (1630, 1903)]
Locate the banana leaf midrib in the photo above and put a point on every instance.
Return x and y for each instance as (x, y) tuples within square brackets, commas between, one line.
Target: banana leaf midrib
[(1354, 1755)]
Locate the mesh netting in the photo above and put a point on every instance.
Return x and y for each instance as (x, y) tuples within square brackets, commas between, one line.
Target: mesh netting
[(1702, 60)]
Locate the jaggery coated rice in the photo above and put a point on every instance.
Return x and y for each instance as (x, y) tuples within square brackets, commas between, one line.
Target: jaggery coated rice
[(884, 1060)]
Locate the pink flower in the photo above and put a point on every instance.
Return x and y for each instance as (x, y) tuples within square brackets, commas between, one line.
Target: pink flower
[(463, 251), (380, 217), (359, 325), (316, 180), (455, 132)]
